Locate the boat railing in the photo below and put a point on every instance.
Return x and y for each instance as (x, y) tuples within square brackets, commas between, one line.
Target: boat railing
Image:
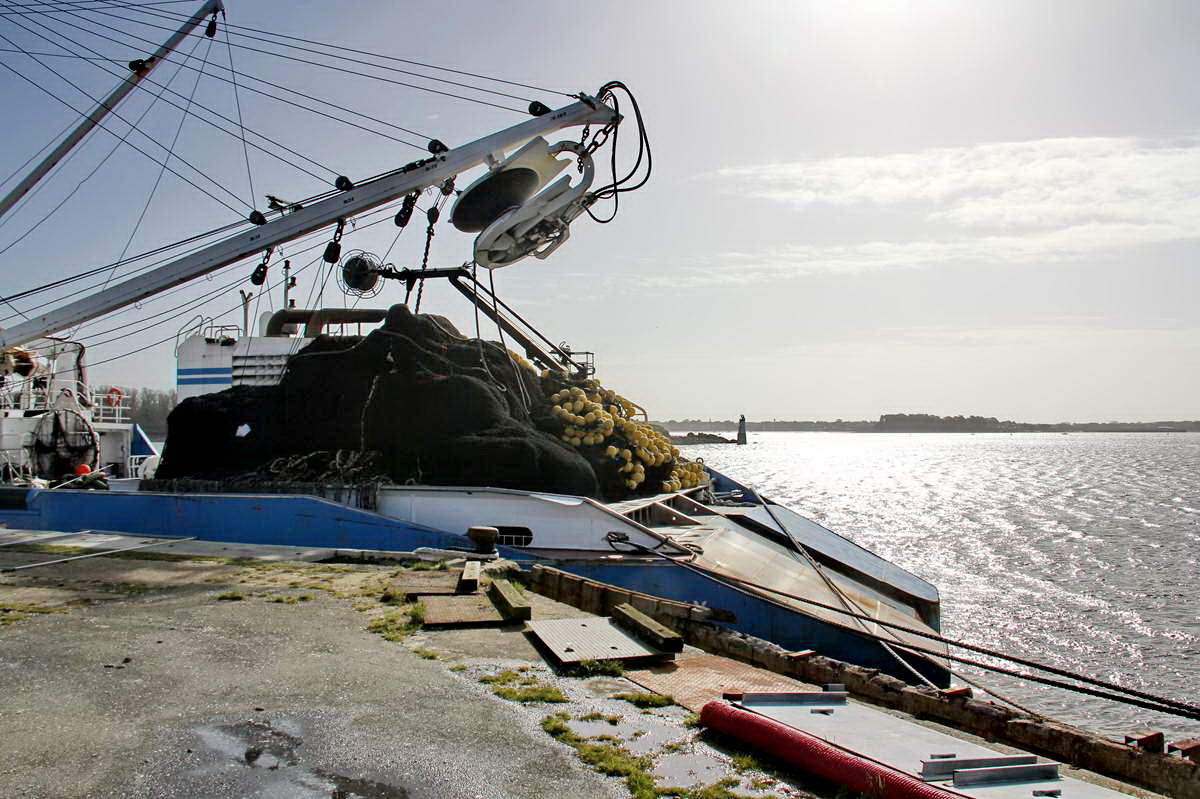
[(14, 463), (109, 406), (133, 465)]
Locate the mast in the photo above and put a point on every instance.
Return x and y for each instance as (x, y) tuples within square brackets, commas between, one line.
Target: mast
[(138, 70)]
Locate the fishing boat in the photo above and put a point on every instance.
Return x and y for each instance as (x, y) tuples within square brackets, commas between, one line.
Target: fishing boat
[(73, 460)]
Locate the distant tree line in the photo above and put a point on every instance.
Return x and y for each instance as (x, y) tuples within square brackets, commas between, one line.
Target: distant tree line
[(929, 423)]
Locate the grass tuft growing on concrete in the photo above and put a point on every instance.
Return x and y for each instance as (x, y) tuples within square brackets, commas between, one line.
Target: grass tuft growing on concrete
[(596, 716), (744, 761), (515, 687), (231, 596), (290, 599), (427, 566), (398, 624), (607, 758), (593, 668), (427, 654), (13, 613), (540, 692), (645, 700)]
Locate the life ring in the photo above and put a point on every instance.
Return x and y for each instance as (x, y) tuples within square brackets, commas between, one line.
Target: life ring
[(113, 397)]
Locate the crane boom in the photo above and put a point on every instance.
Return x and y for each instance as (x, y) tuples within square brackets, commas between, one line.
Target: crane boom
[(290, 226)]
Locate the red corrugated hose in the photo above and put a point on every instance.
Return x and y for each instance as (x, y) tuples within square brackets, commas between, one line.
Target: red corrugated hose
[(813, 756)]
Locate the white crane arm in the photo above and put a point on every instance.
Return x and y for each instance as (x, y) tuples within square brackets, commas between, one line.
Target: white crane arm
[(290, 226)]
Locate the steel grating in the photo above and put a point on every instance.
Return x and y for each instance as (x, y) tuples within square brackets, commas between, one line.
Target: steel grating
[(592, 638), (462, 610), (694, 680)]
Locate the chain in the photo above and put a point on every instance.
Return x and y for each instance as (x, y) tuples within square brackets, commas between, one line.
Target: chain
[(599, 139), (432, 215)]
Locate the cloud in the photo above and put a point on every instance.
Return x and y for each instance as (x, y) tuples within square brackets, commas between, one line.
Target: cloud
[(797, 260), (1041, 201)]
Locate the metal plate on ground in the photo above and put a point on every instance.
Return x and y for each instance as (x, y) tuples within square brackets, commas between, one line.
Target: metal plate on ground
[(417, 584), (460, 611), (910, 747), (592, 638), (694, 680)]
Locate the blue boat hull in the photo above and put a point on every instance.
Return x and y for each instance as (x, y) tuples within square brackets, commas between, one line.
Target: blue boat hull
[(307, 521)]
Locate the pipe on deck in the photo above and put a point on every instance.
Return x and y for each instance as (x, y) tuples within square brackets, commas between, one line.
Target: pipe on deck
[(811, 755)]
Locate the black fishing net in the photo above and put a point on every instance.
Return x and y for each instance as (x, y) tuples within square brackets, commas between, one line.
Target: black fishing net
[(413, 398)]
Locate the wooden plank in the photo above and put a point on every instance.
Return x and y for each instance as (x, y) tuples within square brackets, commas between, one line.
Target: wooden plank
[(462, 610), (646, 628), (417, 584), (468, 581), (509, 600)]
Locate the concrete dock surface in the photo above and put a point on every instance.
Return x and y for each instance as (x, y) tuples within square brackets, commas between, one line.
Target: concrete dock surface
[(168, 675)]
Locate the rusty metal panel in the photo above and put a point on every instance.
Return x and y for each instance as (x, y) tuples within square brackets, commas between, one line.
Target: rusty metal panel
[(694, 680), (592, 638), (460, 611)]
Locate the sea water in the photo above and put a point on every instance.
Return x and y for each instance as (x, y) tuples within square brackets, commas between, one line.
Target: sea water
[(1076, 550)]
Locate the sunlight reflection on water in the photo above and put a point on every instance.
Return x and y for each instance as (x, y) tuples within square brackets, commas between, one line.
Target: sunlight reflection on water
[(1076, 550)]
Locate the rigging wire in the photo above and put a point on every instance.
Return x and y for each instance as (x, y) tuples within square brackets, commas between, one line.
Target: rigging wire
[(311, 62), (219, 115), (120, 140), (128, 35), (45, 146), (165, 14), (237, 100), (199, 70), (132, 259), (158, 180), (525, 399), (217, 316), (324, 51), (46, 6), (155, 298), (130, 144), (384, 212), (173, 246), (1143, 698), (161, 341), (112, 110)]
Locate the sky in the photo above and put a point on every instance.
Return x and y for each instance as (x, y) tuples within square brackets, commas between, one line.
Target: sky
[(856, 208)]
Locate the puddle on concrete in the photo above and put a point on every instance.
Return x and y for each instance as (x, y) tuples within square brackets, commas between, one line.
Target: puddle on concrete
[(605, 686), (272, 748), (685, 769)]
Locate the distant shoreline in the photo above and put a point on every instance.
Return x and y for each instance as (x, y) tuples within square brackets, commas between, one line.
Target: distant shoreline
[(926, 423)]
